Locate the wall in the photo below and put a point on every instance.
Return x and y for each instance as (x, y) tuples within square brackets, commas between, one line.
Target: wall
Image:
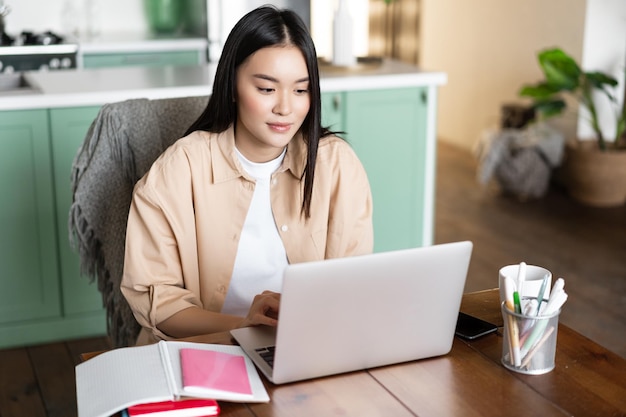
[(488, 49), (604, 48)]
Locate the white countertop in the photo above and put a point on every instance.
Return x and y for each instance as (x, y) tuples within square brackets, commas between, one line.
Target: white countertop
[(120, 42), (85, 87)]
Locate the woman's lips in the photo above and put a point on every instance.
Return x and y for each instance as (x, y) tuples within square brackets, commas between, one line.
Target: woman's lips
[(280, 127)]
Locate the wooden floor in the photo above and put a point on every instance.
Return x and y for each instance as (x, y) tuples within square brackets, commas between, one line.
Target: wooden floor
[(586, 246)]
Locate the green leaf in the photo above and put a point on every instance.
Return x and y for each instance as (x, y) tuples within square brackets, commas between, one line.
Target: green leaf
[(550, 108), (599, 79), (539, 91), (560, 69), (564, 76), (601, 82)]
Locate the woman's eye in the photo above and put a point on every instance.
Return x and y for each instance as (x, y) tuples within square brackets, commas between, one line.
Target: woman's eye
[(302, 91), (265, 90)]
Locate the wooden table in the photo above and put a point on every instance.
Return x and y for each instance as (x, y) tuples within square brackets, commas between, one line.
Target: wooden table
[(470, 381)]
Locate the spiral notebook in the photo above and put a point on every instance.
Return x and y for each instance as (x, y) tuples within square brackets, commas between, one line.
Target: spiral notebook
[(120, 378)]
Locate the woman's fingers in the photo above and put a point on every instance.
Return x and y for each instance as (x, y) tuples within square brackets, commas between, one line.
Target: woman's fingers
[(264, 309)]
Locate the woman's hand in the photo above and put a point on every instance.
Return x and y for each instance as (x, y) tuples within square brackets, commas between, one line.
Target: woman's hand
[(195, 321), (263, 310)]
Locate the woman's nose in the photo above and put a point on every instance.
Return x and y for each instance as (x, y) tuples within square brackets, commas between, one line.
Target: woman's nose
[(283, 104)]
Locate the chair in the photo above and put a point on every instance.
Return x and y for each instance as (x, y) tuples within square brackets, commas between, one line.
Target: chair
[(120, 146)]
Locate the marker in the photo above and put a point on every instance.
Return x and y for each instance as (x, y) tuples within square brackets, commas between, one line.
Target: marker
[(521, 277), (519, 283), (555, 302), (558, 286), (517, 303), (509, 289)]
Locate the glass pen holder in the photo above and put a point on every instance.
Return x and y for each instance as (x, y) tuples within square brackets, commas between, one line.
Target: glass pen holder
[(529, 344)]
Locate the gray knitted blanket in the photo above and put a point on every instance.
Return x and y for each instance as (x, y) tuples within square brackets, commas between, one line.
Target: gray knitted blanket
[(120, 146)]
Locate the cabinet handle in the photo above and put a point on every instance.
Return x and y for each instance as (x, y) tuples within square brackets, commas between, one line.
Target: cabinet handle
[(336, 102), (424, 97)]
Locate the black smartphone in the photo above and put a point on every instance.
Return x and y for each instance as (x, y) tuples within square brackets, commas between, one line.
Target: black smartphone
[(470, 327)]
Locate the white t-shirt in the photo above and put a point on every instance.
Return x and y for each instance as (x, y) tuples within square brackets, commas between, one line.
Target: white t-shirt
[(261, 256)]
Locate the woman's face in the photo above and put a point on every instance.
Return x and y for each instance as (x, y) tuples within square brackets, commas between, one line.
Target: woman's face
[(273, 100)]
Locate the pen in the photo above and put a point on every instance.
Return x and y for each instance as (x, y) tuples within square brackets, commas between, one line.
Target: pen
[(508, 294), (513, 328), (556, 301), (530, 310), (515, 348), (542, 291), (535, 348), (534, 336), (508, 303)]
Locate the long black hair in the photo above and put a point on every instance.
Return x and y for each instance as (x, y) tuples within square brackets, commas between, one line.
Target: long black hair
[(264, 27)]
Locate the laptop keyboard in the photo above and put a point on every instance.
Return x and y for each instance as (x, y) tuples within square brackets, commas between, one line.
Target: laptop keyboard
[(267, 353)]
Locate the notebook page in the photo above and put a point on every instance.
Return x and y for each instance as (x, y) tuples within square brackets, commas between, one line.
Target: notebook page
[(167, 368), (114, 380)]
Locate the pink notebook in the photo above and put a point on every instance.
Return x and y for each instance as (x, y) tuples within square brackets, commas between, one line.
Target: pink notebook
[(207, 371)]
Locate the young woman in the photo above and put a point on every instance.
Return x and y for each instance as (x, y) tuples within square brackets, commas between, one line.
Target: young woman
[(256, 183)]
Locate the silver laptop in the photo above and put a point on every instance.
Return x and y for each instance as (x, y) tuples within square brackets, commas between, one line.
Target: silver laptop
[(360, 312)]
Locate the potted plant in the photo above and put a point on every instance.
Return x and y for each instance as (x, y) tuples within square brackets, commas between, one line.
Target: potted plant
[(594, 171)]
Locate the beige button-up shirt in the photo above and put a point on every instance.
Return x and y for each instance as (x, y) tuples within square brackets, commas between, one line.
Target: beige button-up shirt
[(188, 211)]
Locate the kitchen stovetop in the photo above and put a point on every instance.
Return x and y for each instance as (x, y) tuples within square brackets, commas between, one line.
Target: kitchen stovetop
[(31, 42)]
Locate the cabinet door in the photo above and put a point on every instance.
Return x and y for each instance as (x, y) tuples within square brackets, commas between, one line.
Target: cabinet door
[(29, 280), (68, 129), (145, 59), (387, 129), (333, 111)]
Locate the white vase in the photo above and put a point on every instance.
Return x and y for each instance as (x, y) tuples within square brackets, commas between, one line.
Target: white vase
[(343, 48)]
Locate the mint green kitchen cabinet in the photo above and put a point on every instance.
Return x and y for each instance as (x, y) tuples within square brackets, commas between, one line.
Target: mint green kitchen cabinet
[(387, 130), (43, 298), (333, 111), (29, 277), (68, 127), (146, 59)]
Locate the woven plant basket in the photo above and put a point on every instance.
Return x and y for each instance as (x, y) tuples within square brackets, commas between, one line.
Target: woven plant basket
[(593, 177)]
